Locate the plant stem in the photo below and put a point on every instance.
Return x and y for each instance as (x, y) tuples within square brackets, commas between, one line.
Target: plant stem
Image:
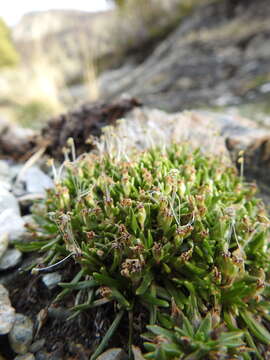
[(108, 335)]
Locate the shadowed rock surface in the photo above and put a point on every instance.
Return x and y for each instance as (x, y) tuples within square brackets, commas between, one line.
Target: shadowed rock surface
[(219, 55)]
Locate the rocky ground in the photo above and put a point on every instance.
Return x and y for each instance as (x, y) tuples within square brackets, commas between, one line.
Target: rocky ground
[(32, 325)]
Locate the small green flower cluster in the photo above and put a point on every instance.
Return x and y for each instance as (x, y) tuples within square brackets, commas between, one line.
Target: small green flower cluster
[(174, 232)]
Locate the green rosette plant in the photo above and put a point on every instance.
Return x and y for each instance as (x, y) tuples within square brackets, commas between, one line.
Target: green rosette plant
[(171, 231)]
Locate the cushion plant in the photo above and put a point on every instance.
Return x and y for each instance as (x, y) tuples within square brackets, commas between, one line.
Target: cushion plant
[(173, 232)]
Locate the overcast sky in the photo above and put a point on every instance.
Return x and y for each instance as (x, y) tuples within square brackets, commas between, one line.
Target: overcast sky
[(12, 10)]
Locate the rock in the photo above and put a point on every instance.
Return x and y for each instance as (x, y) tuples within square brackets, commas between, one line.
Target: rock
[(4, 170), (21, 335), (6, 185), (42, 355), (15, 141), (10, 259), (200, 63), (37, 345), (7, 312), (8, 201), (35, 180), (26, 200), (3, 243), (137, 353), (5, 176), (113, 354), (51, 280), (27, 356), (12, 224)]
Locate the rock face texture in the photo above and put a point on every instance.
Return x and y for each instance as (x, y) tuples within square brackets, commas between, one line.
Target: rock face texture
[(216, 56)]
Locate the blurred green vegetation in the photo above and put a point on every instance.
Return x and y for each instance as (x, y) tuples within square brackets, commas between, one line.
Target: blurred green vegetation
[(34, 113), (8, 53)]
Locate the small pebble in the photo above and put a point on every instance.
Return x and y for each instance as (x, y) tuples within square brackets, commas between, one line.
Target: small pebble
[(7, 312), (10, 259), (42, 355), (8, 201), (36, 181), (113, 354), (27, 356), (51, 280), (21, 335), (12, 224)]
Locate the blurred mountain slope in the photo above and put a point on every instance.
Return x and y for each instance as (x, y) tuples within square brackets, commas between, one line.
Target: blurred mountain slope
[(217, 56)]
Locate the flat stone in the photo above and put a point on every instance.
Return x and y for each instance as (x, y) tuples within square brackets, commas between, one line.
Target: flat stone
[(113, 354), (10, 259), (51, 280), (8, 201), (21, 335), (3, 243), (27, 356), (7, 312), (12, 224), (36, 181)]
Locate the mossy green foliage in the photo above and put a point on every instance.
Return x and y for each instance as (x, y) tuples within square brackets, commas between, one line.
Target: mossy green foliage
[(8, 53), (174, 232)]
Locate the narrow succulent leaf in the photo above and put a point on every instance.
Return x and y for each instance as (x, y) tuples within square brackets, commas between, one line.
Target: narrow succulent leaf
[(108, 335), (258, 330), (146, 282), (157, 330)]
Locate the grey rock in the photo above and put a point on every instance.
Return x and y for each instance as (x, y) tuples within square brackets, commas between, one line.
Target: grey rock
[(113, 354), (4, 184), (27, 356), (5, 176), (4, 169), (43, 355), (8, 201), (36, 181), (51, 280), (199, 62), (3, 243), (10, 259), (12, 224), (21, 335), (37, 345), (7, 312)]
